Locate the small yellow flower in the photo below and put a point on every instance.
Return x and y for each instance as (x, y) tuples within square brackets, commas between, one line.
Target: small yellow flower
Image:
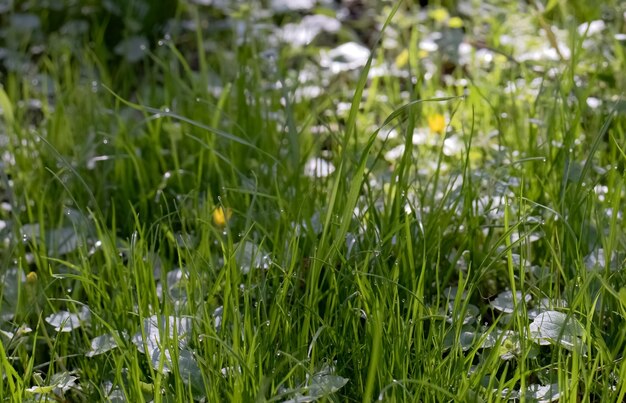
[(437, 123), (439, 14), (31, 278), (221, 216), (499, 59), (31, 295), (402, 59), (455, 22)]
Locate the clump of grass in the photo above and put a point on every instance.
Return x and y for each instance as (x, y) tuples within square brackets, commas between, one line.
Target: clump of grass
[(443, 237)]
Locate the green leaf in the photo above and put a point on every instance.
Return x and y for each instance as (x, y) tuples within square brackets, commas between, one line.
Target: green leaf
[(552, 327), (6, 107)]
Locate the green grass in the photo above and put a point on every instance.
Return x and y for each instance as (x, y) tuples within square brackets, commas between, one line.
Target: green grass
[(386, 279)]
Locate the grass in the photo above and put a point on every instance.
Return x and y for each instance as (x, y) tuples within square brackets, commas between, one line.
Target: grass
[(469, 244)]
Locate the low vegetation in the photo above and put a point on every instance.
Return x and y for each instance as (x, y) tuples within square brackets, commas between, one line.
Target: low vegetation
[(291, 202)]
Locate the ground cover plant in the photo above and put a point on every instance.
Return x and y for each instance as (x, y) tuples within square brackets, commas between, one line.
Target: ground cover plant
[(312, 201)]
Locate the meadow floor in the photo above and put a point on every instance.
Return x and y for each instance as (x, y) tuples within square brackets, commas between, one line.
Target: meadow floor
[(293, 202)]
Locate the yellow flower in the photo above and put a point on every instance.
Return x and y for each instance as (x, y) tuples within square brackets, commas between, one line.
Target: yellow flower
[(439, 14), (32, 294), (31, 278), (437, 123), (221, 216), (455, 22), (402, 59)]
